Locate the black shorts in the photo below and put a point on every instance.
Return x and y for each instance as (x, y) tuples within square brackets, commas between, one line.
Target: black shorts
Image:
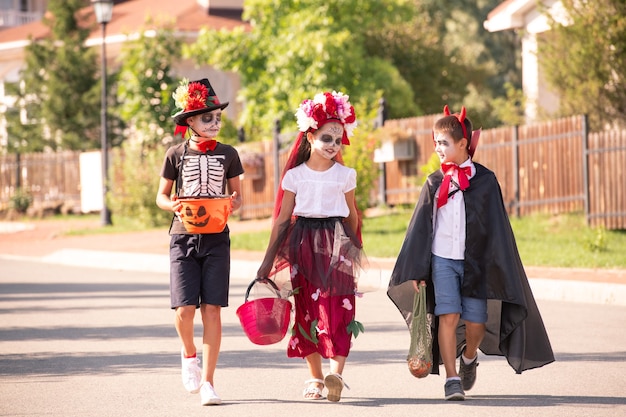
[(199, 269)]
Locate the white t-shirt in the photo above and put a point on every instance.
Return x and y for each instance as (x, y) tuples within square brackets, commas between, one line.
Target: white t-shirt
[(320, 193)]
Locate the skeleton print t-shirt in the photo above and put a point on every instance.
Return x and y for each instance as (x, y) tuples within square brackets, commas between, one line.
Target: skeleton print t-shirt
[(199, 174)]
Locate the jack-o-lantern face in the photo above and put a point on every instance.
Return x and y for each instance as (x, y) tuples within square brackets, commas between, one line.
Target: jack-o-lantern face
[(205, 215), (199, 219)]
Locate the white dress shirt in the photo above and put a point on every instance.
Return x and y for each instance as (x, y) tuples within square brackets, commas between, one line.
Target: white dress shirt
[(449, 221)]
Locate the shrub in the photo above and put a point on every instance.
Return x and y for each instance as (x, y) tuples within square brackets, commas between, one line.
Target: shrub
[(134, 185), (360, 154), (21, 200)]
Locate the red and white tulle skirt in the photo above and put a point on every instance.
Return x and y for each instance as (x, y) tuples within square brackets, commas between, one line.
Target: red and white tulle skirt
[(324, 259)]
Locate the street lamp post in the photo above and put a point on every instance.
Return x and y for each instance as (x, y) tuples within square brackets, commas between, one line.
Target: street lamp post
[(103, 10)]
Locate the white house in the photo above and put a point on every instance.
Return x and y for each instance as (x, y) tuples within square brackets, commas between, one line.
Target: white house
[(21, 19), (526, 17), (20, 12)]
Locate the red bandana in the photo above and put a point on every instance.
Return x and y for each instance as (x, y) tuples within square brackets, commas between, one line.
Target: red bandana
[(448, 169), (206, 145)]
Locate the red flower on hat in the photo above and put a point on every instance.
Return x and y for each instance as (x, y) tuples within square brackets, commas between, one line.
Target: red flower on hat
[(198, 94)]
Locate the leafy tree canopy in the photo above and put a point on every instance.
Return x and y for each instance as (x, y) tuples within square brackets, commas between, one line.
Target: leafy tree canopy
[(482, 66), (61, 88), (298, 48), (145, 84), (585, 61), (421, 54)]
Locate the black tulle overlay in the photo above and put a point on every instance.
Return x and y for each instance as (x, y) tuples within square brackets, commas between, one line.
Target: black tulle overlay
[(323, 252)]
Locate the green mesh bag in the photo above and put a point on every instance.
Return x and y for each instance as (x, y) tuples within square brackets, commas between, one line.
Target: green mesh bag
[(420, 357)]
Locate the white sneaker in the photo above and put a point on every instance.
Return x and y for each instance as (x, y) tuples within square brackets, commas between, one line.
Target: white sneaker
[(191, 372), (208, 396)]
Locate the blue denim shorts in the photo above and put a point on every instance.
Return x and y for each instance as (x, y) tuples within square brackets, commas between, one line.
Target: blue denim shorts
[(447, 280)]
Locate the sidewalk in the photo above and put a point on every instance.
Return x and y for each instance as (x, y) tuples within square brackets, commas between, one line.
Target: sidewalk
[(45, 241)]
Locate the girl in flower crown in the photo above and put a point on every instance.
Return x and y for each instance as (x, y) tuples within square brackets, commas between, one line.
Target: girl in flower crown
[(199, 262), (315, 233)]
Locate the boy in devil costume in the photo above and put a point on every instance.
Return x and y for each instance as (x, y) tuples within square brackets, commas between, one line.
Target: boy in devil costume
[(459, 243)]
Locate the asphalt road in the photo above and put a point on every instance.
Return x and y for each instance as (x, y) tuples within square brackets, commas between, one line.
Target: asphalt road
[(77, 341)]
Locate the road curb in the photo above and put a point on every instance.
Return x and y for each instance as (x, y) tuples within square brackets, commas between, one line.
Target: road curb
[(373, 280)]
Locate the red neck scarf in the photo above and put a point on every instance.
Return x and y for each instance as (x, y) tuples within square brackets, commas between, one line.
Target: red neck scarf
[(205, 145), (448, 169)]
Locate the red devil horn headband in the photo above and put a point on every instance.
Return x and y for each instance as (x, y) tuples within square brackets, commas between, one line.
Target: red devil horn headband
[(460, 117)]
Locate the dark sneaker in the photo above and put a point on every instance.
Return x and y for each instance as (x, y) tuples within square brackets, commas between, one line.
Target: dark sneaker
[(468, 373), (453, 390)]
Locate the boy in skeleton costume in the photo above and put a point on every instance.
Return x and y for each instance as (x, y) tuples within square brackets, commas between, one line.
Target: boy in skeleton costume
[(199, 263)]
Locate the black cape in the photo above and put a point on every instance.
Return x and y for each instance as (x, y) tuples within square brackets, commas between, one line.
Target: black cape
[(493, 270)]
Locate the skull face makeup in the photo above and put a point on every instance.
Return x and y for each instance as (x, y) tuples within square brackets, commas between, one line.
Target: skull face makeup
[(206, 125), (334, 130), (327, 140)]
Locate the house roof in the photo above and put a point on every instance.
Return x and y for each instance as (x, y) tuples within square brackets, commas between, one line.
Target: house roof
[(509, 15), (187, 15), (525, 14)]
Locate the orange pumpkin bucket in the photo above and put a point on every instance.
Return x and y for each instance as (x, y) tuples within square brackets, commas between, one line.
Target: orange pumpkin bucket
[(205, 214)]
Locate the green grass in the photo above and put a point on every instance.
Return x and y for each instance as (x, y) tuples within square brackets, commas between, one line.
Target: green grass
[(566, 241), (256, 241), (542, 240), (383, 235), (90, 224)]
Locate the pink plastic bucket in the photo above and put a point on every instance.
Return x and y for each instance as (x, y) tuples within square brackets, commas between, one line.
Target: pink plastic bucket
[(265, 320)]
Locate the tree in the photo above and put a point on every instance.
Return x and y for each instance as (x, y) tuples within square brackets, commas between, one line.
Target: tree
[(145, 84), (510, 109), (360, 154), (61, 88), (421, 54), (144, 92), (482, 65), (585, 61), (413, 44), (23, 136), (300, 47)]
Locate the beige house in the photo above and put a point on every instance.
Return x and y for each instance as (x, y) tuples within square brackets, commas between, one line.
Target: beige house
[(526, 17), (21, 19), (19, 12)]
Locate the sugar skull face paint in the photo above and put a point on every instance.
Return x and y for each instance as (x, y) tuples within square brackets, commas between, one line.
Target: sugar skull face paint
[(327, 140), (207, 125)]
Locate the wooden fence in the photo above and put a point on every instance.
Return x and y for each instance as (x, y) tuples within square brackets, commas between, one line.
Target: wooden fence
[(555, 167), (259, 184), (51, 179), (606, 171)]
